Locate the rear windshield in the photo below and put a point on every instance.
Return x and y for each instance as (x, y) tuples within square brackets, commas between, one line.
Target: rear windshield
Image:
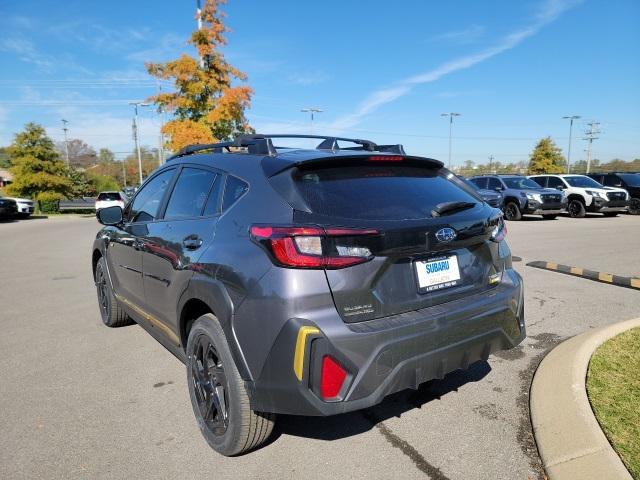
[(377, 192), (109, 196)]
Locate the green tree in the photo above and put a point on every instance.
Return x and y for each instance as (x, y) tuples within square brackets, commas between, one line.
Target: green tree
[(206, 104), (36, 165), (5, 160), (546, 158), (105, 156)]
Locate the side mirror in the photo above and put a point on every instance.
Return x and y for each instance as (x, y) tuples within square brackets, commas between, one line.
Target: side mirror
[(110, 216), (498, 189), (560, 187)]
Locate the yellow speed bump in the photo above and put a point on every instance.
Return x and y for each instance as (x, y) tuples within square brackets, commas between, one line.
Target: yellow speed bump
[(301, 347)]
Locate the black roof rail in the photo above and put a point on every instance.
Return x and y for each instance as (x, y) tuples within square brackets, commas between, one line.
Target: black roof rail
[(328, 142), (259, 144)]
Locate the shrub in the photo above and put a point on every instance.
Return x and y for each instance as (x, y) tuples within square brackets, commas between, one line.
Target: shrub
[(48, 202)]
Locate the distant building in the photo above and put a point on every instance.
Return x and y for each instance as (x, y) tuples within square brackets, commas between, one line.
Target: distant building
[(6, 177)]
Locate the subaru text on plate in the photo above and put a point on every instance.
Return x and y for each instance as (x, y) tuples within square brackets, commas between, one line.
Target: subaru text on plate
[(309, 281)]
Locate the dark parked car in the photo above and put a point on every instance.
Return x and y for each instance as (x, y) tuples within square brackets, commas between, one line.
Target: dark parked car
[(523, 196), (492, 197), (629, 181), (306, 281), (8, 208)]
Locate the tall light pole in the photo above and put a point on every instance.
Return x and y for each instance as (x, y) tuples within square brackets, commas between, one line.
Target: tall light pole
[(571, 118), (199, 23), (450, 115), (135, 133), (312, 111), (66, 140)]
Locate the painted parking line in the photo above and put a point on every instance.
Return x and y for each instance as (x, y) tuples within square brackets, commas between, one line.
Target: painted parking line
[(603, 277)]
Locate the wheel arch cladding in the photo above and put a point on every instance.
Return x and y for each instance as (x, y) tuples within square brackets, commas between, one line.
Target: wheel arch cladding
[(95, 258), (511, 199), (576, 196), (207, 295)]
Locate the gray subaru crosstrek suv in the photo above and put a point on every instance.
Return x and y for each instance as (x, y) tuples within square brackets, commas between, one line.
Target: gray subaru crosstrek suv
[(309, 281)]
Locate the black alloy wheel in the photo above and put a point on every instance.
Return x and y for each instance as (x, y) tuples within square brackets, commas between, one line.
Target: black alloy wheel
[(512, 212), (576, 209), (634, 206), (210, 386)]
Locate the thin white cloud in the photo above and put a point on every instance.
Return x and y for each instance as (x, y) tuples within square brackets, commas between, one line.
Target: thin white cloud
[(464, 36), (307, 78), (549, 11), (25, 51)]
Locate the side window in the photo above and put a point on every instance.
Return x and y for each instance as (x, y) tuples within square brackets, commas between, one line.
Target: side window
[(611, 181), (213, 202), (189, 194), (554, 182), (234, 189), (480, 182), (542, 181), (494, 184), (146, 204)]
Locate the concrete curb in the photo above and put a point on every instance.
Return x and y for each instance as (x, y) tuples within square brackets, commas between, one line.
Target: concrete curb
[(570, 440)]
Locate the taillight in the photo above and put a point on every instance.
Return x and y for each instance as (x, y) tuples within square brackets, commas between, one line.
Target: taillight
[(313, 247), (499, 231), (331, 378)]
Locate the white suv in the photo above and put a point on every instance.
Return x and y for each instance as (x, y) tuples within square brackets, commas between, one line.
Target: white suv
[(25, 207), (586, 195), (110, 199)]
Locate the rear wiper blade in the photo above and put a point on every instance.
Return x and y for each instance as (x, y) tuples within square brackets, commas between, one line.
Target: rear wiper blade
[(449, 207)]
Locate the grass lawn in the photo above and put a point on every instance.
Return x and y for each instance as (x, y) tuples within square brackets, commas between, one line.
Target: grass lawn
[(613, 386)]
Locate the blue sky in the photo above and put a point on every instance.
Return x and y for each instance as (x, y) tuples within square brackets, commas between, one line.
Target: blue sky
[(379, 70)]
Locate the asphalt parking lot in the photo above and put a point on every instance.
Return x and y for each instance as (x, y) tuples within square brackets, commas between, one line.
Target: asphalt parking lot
[(79, 400)]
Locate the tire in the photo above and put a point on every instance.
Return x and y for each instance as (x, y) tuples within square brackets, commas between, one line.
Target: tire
[(512, 211), (218, 396), (610, 214), (549, 217), (112, 314), (634, 206), (576, 208)]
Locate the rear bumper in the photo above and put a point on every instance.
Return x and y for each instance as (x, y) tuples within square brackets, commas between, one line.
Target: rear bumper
[(390, 354)]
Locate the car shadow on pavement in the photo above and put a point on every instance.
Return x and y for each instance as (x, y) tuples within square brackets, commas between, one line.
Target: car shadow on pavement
[(355, 423)]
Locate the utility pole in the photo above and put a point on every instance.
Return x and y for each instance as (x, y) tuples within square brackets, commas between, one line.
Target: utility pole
[(450, 115), (590, 137), (124, 171), (135, 133), (199, 23), (491, 157), (312, 111), (571, 118), (66, 140)]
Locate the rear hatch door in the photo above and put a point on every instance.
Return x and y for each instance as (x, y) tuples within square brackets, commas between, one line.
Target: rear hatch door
[(433, 234)]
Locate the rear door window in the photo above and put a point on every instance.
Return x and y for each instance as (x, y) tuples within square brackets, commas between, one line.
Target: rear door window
[(376, 192), (189, 194), (494, 184), (234, 189), (480, 182)]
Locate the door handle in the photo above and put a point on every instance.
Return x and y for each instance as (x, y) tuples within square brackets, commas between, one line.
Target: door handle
[(192, 242)]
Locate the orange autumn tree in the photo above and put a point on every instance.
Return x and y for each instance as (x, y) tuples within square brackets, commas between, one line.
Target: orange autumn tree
[(207, 106)]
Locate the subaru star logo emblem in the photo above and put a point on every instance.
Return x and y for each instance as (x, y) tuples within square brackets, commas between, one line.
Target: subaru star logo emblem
[(446, 235)]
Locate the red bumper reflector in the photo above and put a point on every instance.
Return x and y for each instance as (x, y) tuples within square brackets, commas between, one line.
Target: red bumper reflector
[(332, 378)]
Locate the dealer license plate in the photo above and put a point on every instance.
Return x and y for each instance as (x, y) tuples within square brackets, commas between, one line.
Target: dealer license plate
[(437, 273)]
